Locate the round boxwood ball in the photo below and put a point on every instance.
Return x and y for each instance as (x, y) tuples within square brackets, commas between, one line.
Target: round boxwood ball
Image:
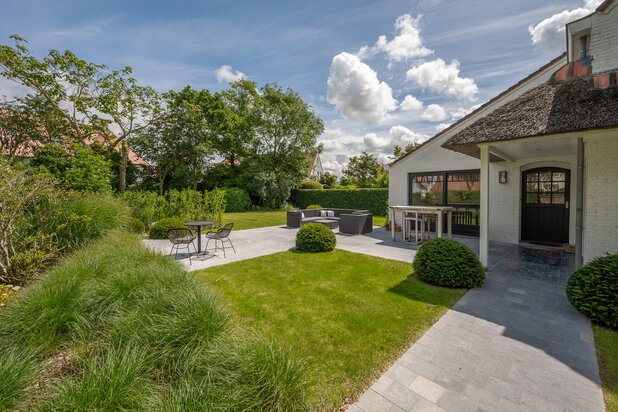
[(446, 262), (134, 225), (593, 290), (315, 237), (159, 229)]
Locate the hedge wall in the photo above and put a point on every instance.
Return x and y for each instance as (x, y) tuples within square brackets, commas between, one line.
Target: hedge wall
[(373, 200)]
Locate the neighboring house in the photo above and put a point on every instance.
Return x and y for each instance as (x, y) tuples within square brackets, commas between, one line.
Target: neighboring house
[(540, 160), (315, 166)]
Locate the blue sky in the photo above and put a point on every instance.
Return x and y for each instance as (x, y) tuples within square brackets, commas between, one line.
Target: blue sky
[(301, 44)]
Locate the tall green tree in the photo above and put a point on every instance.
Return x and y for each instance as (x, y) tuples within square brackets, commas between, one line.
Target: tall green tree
[(398, 151), (329, 179), (80, 98), (364, 169)]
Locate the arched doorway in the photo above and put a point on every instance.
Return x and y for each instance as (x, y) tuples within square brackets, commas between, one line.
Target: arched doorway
[(545, 205)]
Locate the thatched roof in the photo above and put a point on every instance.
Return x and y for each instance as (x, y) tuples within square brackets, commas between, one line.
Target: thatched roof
[(544, 110)]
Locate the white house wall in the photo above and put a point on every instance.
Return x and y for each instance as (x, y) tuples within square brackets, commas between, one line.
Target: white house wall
[(505, 198), (601, 196), (432, 157), (603, 46)]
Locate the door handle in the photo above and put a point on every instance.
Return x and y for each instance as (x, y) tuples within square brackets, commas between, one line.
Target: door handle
[(567, 204)]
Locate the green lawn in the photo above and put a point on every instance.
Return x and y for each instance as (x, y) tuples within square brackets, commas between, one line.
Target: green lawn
[(607, 351), (351, 314), (252, 220)]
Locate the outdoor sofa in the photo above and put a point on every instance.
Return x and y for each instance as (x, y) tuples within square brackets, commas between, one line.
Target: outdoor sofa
[(352, 221)]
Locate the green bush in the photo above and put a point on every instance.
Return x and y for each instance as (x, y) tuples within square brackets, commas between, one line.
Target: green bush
[(81, 217), (593, 290), (146, 206), (142, 335), (134, 225), (315, 237), (160, 229), (236, 200), (310, 184), (446, 262), (314, 207), (374, 200), (88, 171)]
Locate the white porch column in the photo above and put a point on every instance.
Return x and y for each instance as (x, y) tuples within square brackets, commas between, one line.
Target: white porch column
[(484, 208)]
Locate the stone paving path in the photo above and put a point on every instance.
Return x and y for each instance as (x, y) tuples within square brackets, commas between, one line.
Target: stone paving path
[(513, 345)]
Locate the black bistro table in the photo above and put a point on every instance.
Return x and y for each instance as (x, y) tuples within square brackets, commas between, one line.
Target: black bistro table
[(199, 224)]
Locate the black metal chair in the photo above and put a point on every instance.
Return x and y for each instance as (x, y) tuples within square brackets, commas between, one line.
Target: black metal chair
[(181, 237), (221, 235)]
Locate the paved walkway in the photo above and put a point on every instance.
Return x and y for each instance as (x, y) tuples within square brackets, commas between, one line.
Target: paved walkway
[(253, 243), (513, 345)]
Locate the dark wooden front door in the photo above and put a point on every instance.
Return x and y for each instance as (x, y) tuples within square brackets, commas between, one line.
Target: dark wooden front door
[(545, 205)]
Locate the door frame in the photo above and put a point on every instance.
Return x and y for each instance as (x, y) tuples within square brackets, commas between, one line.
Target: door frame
[(567, 197)]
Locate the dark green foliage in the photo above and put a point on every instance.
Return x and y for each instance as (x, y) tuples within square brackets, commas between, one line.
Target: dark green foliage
[(374, 200), (81, 217), (314, 207), (310, 184), (142, 335), (88, 171), (236, 200), (52, 157), (593, 290), (134, 225), (446, 262), (160, 229), (315, 237)]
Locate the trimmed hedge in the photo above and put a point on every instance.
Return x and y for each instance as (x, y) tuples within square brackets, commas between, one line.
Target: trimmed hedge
[(314, 207), (446, 262), (160, 229), (593, 290), (310, 184), (315, 237), (374, 200)]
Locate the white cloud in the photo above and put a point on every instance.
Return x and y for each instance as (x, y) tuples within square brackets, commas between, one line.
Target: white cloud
[(434, 113), (226, 74), (410, 103), (549, 34), (443, 78), (441, 126), (406, 44), (462, 111), (403, 136), (356, 91)]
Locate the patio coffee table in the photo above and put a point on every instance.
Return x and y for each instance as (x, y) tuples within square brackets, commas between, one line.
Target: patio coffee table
[(332, 224)]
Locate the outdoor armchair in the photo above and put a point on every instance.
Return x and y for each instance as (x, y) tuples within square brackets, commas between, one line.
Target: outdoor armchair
[(181, 237), (221, 235)]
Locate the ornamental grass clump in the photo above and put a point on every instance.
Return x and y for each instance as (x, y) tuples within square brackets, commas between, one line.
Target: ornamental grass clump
[(593, 290), (446, 262), (315, 237), (139, 335)]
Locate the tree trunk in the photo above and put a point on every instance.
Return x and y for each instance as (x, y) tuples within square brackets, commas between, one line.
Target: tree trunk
[(161, 185), (122, 172)]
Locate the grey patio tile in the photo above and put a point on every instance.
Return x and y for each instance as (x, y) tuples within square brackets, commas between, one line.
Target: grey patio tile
[(401, 396), (381, 384), (478, 394), (503, 389), (505, 405), (455, 401), (424, 405), (427, 388), (420, 366), (353, 408), (371, 401), (401, 374)]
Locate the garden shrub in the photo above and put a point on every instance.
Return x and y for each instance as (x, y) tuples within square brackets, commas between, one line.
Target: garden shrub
[(53, 157), (142, 336), (161, 228), (134, 225), (374, 200), (310, 184), (88, 171), (186, 204), (236, 200), (446, 262), (593, 290), (214, 206), (314, 207), (146, 206), (315, 237)]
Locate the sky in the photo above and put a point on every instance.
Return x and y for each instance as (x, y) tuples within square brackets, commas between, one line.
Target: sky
[(378, 73)]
